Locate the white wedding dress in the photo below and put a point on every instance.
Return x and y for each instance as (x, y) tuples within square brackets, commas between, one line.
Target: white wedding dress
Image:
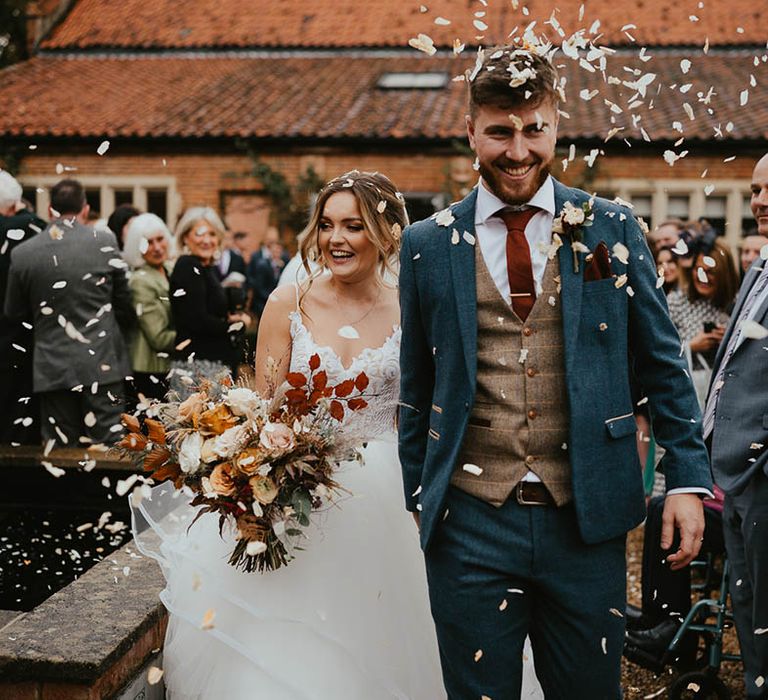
[(347, 619)]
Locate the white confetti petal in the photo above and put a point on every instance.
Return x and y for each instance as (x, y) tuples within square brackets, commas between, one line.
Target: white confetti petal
[(103, 148), (621, 252), (473, 469), (90, 419), (154, 674), (54, 471), (752, 329), (348, 332)]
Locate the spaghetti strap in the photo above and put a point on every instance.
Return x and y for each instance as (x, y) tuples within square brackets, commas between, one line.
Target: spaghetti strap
[(296, 290)]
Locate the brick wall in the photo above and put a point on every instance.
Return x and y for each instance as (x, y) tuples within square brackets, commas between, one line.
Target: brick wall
[(203, 172)]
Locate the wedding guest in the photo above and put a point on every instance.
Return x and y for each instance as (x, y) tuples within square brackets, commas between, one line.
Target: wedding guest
[(734, 423), (749, 250), (119, 219), (264, 271), (71, 281), (17, 403), (148, 244), (666, 593), (240, 241), (205, 325), (666, 234), (700, 310), (666, 263)]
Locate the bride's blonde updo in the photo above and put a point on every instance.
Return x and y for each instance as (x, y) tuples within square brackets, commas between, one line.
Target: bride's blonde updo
[(382, 209)]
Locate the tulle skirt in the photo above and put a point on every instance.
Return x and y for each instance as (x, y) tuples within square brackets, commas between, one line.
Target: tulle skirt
[(347, 619)]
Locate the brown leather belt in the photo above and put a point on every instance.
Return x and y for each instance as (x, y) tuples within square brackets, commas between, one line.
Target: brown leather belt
[(533, 493)]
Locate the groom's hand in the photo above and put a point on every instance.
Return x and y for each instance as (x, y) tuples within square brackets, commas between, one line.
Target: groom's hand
[(685, 512)]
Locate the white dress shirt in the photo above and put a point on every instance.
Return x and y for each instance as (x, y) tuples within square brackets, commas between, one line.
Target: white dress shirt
[(491, 234)]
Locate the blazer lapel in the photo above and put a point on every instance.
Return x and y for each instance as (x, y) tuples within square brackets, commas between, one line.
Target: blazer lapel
[(571, 284), (746, 287), (462, 257)]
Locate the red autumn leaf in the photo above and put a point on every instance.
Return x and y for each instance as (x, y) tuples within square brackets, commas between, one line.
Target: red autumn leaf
[(361, 381), (356, 404), (345, 388), (296, 396), (337, 410), (320, 380), (296, 379), (314, 362)]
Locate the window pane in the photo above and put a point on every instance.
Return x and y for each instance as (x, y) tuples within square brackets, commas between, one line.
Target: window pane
[(747, 220), (93, 197), (678, 207), (642, 206), (157, 203), (714, 207), (123, 197), (29, 194), (420, 205)]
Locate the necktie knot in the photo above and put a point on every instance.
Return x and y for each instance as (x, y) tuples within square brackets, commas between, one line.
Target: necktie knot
[(517, 219)]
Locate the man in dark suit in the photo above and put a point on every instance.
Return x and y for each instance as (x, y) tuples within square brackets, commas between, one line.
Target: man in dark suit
[(70, 280), (19, 420), (736, 427), (517, 433)]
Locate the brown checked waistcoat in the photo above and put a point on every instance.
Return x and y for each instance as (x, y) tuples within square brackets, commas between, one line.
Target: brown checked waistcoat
[(519, 421)]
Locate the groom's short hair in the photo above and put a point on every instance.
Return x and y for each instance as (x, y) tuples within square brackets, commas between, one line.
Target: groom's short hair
[(510, 77)]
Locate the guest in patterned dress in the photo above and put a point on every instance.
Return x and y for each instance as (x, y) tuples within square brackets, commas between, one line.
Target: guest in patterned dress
[(700, 310)]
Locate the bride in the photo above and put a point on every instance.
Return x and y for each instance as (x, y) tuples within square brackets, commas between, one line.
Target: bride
[(348, 619)]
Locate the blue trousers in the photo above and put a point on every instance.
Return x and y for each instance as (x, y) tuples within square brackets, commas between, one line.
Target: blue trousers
[(499, 574)]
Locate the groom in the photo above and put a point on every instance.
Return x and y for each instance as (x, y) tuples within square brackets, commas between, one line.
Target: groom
[(517, 434)]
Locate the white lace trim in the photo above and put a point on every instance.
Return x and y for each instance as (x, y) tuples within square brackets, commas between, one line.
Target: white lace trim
[(381, 365)]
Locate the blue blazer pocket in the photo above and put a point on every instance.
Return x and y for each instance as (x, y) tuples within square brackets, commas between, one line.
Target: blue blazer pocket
[(621, 426), (607, 284)]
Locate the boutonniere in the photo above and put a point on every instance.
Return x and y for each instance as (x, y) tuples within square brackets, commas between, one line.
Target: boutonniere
[(570, 224)]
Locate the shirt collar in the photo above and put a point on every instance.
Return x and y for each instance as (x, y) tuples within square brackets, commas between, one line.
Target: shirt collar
[(488, 203)]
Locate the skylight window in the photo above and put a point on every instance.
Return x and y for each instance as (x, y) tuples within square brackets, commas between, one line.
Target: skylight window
[(413, 81)]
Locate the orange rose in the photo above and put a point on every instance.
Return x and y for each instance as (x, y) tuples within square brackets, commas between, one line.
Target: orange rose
[(222, 479), (216, 420), (263, 488)]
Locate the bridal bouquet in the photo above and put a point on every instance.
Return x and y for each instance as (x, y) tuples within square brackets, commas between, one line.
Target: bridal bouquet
[(262, 464)]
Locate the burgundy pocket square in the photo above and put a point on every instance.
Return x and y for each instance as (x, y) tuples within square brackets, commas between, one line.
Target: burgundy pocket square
[(598, 264)]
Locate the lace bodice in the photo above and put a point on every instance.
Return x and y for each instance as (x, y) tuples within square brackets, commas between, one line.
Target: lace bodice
[(381, 365)]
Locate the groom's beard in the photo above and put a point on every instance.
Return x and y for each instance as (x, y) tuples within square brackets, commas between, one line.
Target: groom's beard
[(515, 193)]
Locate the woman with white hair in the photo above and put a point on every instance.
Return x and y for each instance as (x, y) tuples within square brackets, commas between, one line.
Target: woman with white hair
[(147, 246), (208, 331)]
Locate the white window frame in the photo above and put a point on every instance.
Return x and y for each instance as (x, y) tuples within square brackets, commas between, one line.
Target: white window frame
[(107, 186), (661, 189)]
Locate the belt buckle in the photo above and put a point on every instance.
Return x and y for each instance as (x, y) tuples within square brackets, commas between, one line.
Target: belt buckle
[(521, 499)]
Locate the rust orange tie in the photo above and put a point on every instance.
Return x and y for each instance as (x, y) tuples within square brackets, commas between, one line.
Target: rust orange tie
[(519, 268)]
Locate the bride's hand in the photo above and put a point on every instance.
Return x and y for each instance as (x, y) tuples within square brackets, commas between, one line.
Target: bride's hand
[(417, 520)]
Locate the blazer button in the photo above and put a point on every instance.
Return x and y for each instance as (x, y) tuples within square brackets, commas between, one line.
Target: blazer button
[(527, 331), (530, 459), (531, 372), (532, 413)]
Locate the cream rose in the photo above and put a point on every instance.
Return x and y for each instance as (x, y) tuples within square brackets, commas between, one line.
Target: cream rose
[(208, 451), (190, 453), (242, 401), (277, 436), (230, 441)]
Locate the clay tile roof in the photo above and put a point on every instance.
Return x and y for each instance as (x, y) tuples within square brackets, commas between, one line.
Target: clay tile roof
[(390, 23), (337, 98)]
